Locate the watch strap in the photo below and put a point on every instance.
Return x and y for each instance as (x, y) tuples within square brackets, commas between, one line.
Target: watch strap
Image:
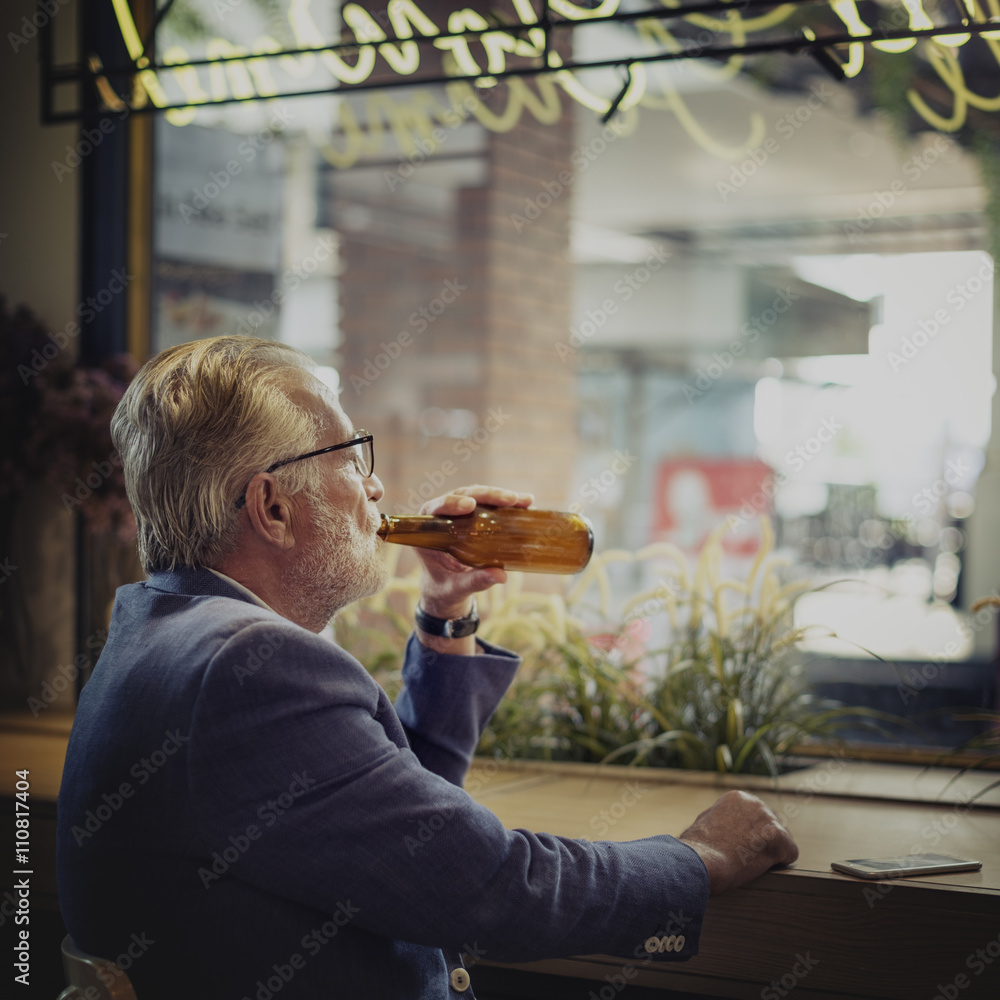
[(448, 628)]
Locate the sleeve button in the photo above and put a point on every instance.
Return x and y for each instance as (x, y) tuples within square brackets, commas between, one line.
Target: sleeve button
[(460, 980)]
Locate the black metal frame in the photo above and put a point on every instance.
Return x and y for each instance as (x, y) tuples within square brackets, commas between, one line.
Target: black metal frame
[(104, 181), (86, 74)]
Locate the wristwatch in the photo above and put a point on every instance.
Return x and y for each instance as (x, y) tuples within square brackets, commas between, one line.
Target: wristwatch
[(449, 628)]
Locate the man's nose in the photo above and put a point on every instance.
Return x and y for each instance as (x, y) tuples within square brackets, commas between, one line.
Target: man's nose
[(374, 488)]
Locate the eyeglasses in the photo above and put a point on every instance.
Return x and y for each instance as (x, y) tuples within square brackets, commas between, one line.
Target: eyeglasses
[(363, 456)]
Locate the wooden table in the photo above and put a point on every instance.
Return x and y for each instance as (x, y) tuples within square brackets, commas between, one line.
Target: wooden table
[(809, 929), (906, 940)]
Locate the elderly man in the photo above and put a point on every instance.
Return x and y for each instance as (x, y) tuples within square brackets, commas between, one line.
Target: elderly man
[(243, 813)]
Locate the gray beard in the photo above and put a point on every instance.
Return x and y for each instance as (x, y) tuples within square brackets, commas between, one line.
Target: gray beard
[(345, 566)]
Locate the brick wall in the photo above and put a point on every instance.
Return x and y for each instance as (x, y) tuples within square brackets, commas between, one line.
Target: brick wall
[(495, 303)]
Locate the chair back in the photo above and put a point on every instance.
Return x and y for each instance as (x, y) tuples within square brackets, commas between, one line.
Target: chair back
[(87, 973)]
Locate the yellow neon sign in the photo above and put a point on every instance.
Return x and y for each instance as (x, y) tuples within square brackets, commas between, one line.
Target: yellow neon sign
[(254, 76)]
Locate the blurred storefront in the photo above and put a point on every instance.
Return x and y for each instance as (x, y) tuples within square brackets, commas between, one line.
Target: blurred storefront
[(691, 287), (745, 290)]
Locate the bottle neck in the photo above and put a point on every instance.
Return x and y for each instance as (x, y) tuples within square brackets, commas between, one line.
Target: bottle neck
[(415, 529)]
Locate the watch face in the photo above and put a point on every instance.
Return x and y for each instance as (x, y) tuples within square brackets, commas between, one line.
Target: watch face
[(461, 627), (449, 628)]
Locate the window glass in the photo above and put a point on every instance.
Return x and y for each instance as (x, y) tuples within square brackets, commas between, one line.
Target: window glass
[(741, 295)]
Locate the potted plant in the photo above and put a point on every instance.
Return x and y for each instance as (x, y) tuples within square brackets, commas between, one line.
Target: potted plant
[(63, 499), (724, 693)]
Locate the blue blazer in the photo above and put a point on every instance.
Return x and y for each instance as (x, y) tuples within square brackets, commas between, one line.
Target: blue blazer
[(244, 814)]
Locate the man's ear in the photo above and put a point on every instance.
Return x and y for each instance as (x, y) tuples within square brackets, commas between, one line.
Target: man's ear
[(269, 512)]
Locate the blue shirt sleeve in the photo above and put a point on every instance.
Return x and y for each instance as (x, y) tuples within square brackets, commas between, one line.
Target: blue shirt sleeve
[(448, 700)]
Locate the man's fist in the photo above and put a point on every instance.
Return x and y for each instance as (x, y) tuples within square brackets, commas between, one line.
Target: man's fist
[(739, 838)]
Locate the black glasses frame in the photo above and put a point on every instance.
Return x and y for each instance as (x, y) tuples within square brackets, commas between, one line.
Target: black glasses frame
[(362, 437)]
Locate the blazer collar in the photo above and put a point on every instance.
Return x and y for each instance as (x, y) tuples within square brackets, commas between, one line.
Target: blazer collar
[(198, 582)]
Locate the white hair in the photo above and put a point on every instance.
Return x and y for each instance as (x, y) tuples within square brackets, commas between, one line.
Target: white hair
[(196, 423)]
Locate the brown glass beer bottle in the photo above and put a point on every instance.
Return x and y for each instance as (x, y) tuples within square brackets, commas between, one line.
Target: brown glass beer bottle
[(517, 538)]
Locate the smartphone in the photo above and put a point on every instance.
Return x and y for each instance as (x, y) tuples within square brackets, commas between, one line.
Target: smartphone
[(907, 864)]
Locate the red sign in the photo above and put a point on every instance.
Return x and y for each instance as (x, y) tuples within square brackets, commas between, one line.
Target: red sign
[(694, 495)]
